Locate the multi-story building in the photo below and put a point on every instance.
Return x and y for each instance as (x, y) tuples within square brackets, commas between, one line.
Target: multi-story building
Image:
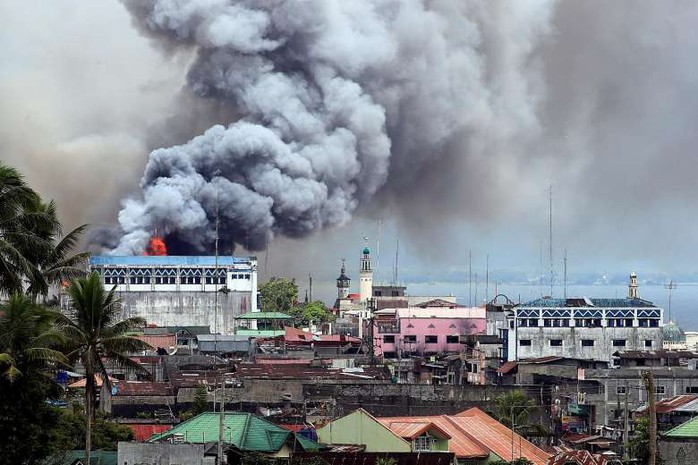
[(430, 328), (182, 290), (583, 328)]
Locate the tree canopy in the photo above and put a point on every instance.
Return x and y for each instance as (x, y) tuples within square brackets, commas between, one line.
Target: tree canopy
[(315, 312), (279, 295)]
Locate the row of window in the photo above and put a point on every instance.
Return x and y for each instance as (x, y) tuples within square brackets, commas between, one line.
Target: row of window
[(161, 280), (584, 342), (657, 389), (588, 322), (412, 339)]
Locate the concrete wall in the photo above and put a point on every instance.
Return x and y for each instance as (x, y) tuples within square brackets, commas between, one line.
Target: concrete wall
[(132, 453), (360, 428), (602, 349), (675, 451), (186, 308)]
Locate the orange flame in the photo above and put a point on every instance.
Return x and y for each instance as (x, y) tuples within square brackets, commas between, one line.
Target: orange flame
[(156, 246)]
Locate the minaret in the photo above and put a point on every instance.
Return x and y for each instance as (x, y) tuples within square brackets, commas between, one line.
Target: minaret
[(343, 283), (365, 276), (632, 287)]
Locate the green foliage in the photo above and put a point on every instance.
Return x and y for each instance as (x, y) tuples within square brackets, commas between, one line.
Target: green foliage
[(185, 415), (33, 249), (71, 430), (200, 404), (638, 445), (386, 461), (279, 295), (514, 406), (312, 311)]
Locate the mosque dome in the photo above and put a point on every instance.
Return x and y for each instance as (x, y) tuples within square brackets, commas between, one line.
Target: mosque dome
[(673, 334), (366, 251)]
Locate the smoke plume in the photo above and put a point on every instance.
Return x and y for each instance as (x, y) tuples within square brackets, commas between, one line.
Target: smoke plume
[(338, 102)]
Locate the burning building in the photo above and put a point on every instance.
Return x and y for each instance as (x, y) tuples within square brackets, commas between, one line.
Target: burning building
[(170, 290)]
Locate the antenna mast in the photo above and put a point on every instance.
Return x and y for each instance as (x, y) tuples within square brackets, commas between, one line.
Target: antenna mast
[(671, 285), (565, 285), (487, 279), (550, 237), (470, 278)]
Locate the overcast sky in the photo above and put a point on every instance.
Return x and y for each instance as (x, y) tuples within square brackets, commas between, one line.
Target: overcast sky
[(610, 95)]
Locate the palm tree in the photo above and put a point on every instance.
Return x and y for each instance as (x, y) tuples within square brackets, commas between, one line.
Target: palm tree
[(20, 221), (28, 342), (513, 408), (28, 356), (97, 336)]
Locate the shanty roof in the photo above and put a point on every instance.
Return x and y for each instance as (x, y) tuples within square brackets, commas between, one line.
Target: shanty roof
[(435, 312), (243, 430), (157, 340), (143, 432), (671, 404), (655, 354), (195, 330), (438, 303), (143, 388), (347, 455), (580, 457), (83, 382), (684, 430), (304, 371), (507, 367), (550, 302), (167, 260), (264, 316)]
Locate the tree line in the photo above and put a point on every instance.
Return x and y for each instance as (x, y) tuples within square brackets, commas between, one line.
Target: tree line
[(38, 340)]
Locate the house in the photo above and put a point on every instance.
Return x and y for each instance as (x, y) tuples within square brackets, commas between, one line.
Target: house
[(679, 446), (132, 453), (473, 436), (242, 433), (77, 457)]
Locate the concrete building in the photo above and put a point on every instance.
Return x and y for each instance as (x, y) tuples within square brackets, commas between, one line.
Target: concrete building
[(431, 328), (365, 276), (182, 290), (583, 328)]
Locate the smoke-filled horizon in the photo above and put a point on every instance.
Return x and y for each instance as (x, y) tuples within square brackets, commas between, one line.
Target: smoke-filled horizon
[(447, 119), (337, 101)]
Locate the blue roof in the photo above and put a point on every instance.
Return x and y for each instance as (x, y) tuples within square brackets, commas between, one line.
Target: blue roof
[(166, 260), (580, 302)]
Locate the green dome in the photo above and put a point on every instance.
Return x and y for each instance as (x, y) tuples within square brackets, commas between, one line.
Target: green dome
[(673, 334), (366, 251)]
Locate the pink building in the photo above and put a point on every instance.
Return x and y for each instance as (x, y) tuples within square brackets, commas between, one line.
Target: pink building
[(430, 328)]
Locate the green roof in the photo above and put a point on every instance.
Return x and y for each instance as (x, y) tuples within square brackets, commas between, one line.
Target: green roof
[(685, 430), (243, 430), (264, 316)]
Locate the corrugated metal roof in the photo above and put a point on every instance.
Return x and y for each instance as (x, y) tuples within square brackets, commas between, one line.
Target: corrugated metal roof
[(549, 302), (670, 404), (460, 444), (143, 432), (167, 260), (244, 430), (411, 430), (685, 430), (497, 437)]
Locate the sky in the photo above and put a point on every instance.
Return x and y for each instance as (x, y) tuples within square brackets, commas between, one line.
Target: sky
[(476, 109)]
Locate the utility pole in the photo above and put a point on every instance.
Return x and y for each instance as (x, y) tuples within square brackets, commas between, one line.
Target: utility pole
[(221, 423), (652, 414), (625, 424)]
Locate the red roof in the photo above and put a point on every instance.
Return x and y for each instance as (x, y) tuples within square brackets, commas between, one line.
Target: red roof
[(143, 388), (295, 335), (165, 341), (507, 367), (411, 430), (142, 433), (672, 403)]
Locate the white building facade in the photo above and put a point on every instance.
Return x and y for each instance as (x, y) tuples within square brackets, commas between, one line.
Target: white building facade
[(182, 290), (591, 329)]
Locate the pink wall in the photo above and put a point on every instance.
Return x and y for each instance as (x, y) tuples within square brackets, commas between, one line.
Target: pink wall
[(422, 327)]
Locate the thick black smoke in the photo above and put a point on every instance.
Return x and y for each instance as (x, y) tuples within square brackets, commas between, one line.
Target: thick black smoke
[(334, 95)]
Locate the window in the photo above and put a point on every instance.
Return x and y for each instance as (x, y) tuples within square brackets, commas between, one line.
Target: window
[(555, 342), (410, 339), (620, 390), (587, 343), (619, 343), (431, 339), (532, 322), (691, 389), (389, 339), (525, 342), (648, 342), (659, 389), (422, 443), (654, 323), (452, 339)]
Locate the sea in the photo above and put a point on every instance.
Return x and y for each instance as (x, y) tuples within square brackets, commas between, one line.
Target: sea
[(683, 309)]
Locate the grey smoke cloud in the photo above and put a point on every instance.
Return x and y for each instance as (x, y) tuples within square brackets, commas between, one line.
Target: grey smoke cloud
[(339, 100)]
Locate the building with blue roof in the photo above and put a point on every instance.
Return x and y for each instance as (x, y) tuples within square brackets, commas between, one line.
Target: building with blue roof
[(172, 290), (583, 328)]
